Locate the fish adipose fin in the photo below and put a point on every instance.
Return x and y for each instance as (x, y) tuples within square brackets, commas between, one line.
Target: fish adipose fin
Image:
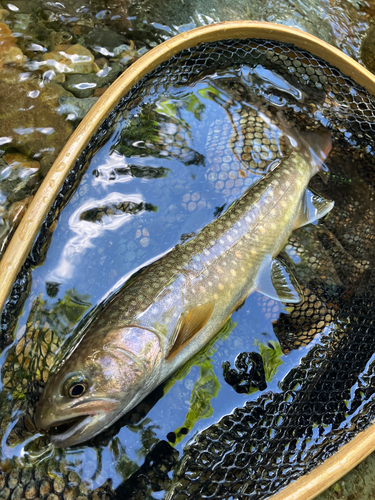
[(278, 282), (189, 325), (313, 207)]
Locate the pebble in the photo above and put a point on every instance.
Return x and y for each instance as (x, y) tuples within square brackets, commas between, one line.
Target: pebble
[(70, 59), (78, 107), (30, 490), (58, 484), (17, 493), (4, 494)]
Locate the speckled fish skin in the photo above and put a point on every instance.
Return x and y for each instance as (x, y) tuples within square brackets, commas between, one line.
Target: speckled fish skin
[(126, 351)]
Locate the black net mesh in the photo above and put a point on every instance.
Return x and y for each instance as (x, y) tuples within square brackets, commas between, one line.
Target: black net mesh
[(322, 403)]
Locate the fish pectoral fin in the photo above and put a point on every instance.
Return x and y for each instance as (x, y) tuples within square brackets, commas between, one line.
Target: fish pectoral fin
[(189, 324), (313, 207), (278, 282)]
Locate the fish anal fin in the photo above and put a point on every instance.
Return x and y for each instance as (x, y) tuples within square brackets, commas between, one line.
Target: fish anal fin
[(189, 325), (313, 207), (278, 282)]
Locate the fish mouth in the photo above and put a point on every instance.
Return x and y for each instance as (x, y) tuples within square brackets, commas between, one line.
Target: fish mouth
[(65, 426), (66, 433), (87, 419)]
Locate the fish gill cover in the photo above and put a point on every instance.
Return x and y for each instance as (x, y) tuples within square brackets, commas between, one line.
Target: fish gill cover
[(313, 390)]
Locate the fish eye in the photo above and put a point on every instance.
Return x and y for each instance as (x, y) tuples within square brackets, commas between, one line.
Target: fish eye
[(76, 390), (75, 387)]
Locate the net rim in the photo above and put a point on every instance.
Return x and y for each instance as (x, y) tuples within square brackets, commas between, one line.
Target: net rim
[(352, 453), (331, 470)]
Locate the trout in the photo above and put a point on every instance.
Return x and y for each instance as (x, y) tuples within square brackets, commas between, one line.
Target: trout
[(170, 309)]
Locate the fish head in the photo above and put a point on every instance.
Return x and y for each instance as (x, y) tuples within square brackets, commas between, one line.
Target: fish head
[(98, 382)]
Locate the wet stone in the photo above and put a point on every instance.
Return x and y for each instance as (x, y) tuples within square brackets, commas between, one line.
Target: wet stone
[(5, 494), (58, 484), (17, 493), (70, 493), (74, 478), (44, 487), (13, 479), (26, 476), (31, 490)]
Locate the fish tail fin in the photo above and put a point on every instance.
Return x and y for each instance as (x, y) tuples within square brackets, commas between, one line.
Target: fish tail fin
[(317, 145)]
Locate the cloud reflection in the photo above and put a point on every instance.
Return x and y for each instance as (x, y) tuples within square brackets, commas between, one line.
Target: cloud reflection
[(85, 231)]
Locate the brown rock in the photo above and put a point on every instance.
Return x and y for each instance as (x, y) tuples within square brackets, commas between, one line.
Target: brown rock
[(44, 488), (15, 160), (99, 92), (3, 14), (5, 494), (58, 484), (17, 210), (31, 491), (367, 49), (9, 52), (71, 59), (29, 118)]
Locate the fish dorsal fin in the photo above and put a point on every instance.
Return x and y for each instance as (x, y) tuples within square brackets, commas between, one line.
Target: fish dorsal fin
[(189, 324), (278, 282), (313, 207)]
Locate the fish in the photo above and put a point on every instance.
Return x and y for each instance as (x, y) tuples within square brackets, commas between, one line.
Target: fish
[(170, 309)]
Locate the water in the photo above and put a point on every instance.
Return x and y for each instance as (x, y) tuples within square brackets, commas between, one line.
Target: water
[(156, 181), (145, 191), (47, 94)]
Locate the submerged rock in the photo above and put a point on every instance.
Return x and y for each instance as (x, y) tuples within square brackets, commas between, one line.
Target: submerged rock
[(19, 177), (29, 117), (367, 49), (104, 37), (85, 85), (9, 52), (70, 59), (75, 106)]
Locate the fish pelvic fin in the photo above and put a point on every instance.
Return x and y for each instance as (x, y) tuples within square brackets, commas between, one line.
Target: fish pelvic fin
[(279, 282), (189, 324), (313, 207)]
